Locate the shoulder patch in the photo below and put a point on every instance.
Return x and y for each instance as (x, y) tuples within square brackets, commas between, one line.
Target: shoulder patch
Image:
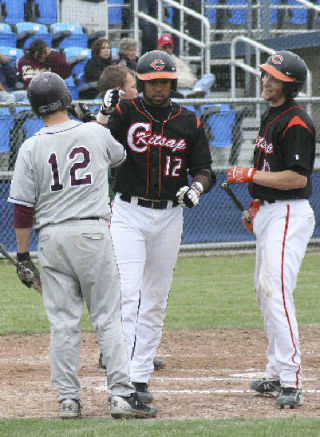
[(296, 121)]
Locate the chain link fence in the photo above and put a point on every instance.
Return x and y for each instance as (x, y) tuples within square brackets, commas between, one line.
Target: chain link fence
[(231, 127)]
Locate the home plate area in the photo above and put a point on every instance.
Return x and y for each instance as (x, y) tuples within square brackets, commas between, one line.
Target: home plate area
[(207, 375)]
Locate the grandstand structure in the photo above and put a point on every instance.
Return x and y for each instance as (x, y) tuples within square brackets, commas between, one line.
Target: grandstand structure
[(226, 37)]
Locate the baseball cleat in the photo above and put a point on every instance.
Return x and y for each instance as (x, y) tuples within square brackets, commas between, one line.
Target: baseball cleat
[(70, 409), (266, 386), (289, 397), (158, 364), (142, 391), (122, 407)]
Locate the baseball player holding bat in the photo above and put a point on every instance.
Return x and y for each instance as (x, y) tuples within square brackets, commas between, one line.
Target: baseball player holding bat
[(61, 179), (281, 219), (165, 143)]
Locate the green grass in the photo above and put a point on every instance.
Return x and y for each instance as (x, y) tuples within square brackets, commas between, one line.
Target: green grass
[(207, 293), (187, 428)]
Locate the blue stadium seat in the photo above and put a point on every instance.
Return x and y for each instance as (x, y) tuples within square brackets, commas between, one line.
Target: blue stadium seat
[(28, 32), (14, 10), (11, 53), (7, 37), (48, 11), (72, 87), (237, 16), (218, 123), (6, 124), (115, 14), (68, 35), (77, 57), (211, 14), (297, 16)]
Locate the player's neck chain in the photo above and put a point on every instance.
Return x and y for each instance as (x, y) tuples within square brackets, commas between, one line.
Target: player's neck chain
[(154, 119)]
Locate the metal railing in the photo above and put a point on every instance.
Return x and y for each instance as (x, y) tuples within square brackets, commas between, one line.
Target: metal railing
[(159, 22)]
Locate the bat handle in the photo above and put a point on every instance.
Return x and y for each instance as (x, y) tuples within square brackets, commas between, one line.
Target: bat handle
[(246, 216)]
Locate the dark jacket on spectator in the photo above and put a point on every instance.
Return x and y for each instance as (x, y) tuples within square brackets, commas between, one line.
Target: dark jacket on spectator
[(131, 64), (94, 67), (8, 77)]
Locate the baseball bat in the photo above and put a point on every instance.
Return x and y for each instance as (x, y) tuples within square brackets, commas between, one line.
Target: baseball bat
[(244, 212), (13, 261)]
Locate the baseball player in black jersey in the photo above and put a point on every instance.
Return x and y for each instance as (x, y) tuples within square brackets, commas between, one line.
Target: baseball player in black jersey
[(165, 143), (281, 219)]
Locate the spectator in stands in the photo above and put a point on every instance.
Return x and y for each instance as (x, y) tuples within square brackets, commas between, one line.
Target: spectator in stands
[(8, 80), (39, 58), (188, 85), (100, 59), (127, 53)]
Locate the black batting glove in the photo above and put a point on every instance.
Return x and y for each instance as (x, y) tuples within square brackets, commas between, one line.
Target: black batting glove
[(27, 272), (81, 111)]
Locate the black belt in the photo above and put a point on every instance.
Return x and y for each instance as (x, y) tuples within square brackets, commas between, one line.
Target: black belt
[(266, 202), (89, 218), (147, 203)]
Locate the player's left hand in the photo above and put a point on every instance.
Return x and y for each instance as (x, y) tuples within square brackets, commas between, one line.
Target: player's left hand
[(240, 175), (254, 208), (190, 196), (81, 111)]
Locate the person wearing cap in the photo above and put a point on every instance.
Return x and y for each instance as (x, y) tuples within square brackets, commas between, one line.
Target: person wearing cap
[(188, 85), (39, 58), (281, 219)]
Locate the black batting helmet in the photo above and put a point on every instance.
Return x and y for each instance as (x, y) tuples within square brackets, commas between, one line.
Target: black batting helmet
[(289, 68), (47, 93), (156, 65)]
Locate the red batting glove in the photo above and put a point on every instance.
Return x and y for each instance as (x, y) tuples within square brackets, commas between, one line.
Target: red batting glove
[(240, 175), (254, 208)]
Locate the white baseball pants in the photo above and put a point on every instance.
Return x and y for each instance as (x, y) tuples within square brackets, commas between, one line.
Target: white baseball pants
[(283, 230)]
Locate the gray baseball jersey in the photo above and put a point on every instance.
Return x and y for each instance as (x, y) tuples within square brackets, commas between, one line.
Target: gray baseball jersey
[(59, 191)]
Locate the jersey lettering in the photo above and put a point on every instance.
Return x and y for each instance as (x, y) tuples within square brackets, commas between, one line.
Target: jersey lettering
[(261, 143), (74, 181), (140, 137), (172, 168)]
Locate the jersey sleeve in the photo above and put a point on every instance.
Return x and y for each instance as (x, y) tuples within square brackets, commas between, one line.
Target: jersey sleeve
[(200, 156), (22, 189), (299, 146), (116, 151)]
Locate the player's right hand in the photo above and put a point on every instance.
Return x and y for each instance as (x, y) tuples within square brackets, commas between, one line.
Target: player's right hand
[(81, 111), (190, 196), (254, 208), (26, 270)]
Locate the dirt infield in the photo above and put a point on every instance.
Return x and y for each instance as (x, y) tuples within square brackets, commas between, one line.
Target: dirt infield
[(207, 374)]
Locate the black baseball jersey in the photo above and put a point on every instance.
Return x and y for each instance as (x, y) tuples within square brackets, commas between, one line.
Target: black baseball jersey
[(163, 146), (286, 141)]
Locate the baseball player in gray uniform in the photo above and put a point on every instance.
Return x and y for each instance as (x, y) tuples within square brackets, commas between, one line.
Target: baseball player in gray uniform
[(60, 182)]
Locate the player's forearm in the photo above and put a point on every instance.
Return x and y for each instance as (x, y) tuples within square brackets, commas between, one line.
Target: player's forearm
[(206, 177), (281, 180), (23, 239)]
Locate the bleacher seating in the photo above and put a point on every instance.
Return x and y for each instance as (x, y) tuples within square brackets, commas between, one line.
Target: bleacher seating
[(13, 11), (6, 124), (77, 57), (11, 54), (28, 32), (211, 13), (297, 16), (237, 16), (218, 123), (7, 37), (115, 14), (72, 87), (68, 35), (48, 11)]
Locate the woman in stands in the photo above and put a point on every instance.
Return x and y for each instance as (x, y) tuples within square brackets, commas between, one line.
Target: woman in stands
[(100, 59)]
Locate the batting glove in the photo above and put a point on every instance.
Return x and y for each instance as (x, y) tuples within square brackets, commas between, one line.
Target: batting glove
[(240, 175), (248, 223), (27, 272), (81, 111), (110, 101), (190, 196)]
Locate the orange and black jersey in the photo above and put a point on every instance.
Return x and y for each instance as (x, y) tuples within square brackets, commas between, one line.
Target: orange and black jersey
[(286, 141), (163, 146)]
